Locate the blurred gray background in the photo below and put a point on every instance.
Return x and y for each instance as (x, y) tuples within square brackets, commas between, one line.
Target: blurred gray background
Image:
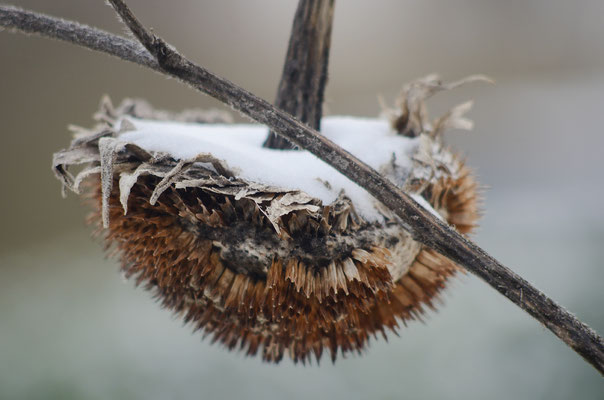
[(71, 327)]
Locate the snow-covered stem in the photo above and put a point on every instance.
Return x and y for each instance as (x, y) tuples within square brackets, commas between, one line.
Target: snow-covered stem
[(421, 224), (304, 75)]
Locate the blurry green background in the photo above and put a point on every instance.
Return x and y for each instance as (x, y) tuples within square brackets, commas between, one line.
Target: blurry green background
[(71, 327)]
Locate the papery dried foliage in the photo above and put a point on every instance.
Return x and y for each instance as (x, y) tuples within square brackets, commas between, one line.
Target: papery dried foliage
[(410, 117)]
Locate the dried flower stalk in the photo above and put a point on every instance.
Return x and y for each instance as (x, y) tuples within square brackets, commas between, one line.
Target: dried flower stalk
[(304, 76)]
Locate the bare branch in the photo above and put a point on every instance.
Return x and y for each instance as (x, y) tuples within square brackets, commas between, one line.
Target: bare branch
[(304, 75), (420, 223), (76, 33)]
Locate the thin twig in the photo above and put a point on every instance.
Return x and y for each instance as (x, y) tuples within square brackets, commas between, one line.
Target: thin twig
[(304, 75), (421, 224), (76, 33)]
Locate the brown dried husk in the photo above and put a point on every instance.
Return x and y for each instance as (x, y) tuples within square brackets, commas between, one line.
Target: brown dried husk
[(261, 268)]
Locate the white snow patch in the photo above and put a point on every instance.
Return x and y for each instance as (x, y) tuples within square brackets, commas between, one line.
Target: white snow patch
[(240, 146), (424, 203)]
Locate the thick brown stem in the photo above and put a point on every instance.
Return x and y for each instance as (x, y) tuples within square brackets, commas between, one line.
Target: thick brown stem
[(420, 223), (304, 76)]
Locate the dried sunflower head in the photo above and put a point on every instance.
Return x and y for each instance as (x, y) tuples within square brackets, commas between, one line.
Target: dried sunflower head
[(288, 258)]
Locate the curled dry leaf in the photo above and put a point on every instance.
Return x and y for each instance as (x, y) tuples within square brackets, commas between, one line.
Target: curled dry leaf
[(410, 117), (265, 268)]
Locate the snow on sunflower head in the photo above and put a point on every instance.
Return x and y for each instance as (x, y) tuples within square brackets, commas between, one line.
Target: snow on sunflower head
[(273, 251)]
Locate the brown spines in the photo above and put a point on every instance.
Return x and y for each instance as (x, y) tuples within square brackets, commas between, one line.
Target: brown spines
[(420, 286), (289, 312), (459, 198), (292, 306), (275, 273)]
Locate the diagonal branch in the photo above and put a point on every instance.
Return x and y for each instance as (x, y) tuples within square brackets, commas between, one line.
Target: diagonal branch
[(304, 74), (76, 33), (422, 225)]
